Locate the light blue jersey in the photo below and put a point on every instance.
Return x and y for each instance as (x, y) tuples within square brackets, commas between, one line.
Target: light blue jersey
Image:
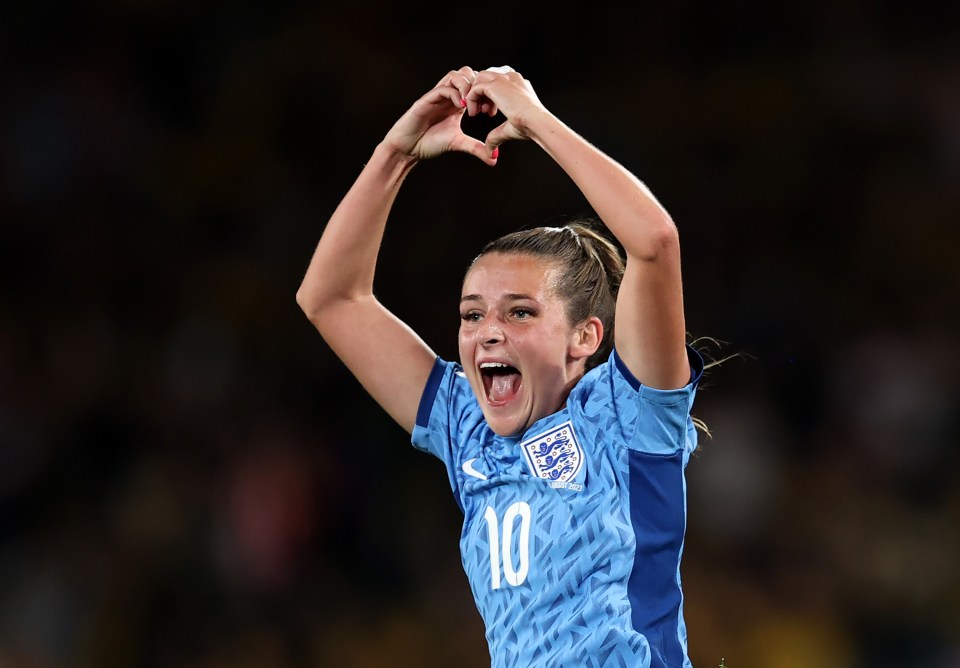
[(573, 531)]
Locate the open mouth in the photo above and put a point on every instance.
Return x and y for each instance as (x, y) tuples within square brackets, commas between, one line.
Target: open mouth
[(501, 382)]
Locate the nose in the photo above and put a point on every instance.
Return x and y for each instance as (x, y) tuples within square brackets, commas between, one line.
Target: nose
[(490, 332)]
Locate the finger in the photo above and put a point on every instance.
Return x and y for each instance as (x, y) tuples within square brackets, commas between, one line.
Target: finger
[(469, 73), (476, 148), (500, 135), (477, 101), (461, 80), (445, 91), (467, 77), (465, 72), (477, 104), (489, 108), (477, 98)]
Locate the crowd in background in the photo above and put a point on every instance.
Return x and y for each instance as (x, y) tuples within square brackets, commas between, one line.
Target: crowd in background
[(190, 479)]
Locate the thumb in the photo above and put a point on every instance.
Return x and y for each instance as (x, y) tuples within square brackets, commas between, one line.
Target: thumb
[(501, 134), (476, 148)]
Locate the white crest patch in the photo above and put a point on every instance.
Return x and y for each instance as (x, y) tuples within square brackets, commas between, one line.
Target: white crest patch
[(554, 455)]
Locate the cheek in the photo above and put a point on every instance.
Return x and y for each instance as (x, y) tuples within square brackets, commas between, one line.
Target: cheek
[(464, 343), (551, 346)]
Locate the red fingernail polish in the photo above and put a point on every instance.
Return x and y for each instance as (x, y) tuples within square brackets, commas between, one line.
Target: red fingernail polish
[(463, 101), (496, 152)]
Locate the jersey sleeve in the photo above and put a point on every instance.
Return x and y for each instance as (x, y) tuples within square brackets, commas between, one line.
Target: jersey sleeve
[(447, 406), (658, 421)]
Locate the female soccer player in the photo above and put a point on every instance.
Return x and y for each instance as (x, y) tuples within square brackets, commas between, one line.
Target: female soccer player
[(565, 439)]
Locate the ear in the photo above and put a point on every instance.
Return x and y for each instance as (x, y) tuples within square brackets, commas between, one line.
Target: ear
[(586, 338)]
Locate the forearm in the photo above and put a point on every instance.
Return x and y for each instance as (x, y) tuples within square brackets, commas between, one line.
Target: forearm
[(620, 199), (342, 267), (650, 330)]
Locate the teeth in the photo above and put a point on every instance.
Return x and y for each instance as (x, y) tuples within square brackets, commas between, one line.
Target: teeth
[(493, 365)]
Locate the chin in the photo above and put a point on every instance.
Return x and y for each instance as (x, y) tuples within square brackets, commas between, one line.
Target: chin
[(506, 427), (505, 432), (508, 420)]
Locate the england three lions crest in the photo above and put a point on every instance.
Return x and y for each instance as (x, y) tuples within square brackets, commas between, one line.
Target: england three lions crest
[(554, 455)]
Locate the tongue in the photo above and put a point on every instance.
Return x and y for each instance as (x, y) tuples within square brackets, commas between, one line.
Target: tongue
[(504, 387)]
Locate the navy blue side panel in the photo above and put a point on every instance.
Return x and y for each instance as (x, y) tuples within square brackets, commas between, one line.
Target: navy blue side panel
[(658, 515), (429, 393)]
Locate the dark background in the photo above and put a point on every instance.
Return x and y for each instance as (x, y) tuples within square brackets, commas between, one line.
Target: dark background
[(189, 478)]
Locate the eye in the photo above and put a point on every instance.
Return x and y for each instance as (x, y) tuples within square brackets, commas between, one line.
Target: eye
[(523, 313), (470, 316)]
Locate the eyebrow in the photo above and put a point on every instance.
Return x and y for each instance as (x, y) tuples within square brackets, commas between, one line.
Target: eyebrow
[(513, 296)]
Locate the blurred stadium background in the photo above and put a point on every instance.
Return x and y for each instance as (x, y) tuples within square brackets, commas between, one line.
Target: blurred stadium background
[(188, 478)]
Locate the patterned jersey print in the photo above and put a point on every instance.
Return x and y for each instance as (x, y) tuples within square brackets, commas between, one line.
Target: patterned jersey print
[(573, 531)]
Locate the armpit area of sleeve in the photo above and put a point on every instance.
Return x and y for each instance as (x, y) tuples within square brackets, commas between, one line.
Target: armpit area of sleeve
[(663, 415), (664, 397)]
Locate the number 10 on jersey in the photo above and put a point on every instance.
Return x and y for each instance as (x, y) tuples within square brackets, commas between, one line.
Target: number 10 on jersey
[(501, 543)]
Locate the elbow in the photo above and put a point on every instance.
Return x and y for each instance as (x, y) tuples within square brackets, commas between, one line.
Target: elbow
[(309, 304), (322, 307), (663, 241)]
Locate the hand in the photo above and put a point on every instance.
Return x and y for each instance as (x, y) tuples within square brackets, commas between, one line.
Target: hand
[(504, 89), (432, 125)]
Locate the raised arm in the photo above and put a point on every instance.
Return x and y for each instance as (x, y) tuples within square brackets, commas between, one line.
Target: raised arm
[(650, 332), (388, 358)]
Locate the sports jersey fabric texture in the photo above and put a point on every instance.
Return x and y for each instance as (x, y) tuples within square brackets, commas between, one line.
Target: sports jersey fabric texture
[(573, 531)]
